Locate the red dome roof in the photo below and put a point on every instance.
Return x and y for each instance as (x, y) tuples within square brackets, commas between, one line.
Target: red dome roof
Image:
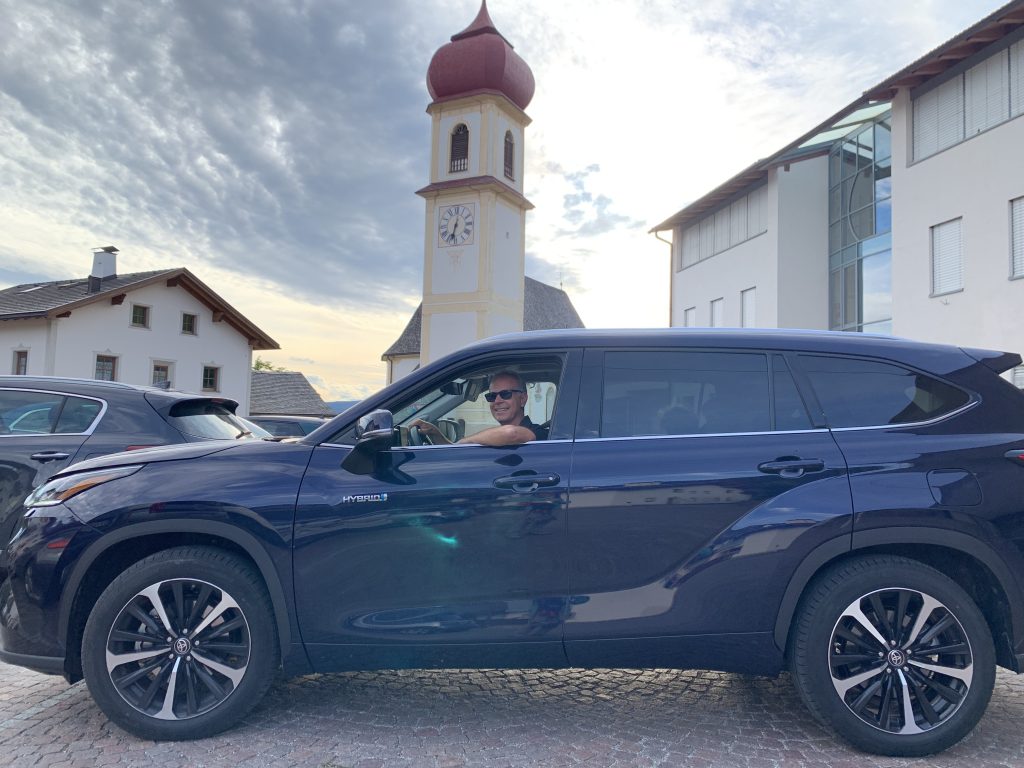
[(479, 59)]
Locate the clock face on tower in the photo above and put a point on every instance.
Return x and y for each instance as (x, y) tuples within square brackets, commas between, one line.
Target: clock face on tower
[(456, 224)]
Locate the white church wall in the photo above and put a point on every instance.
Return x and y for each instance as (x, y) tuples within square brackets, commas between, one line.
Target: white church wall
[(507, 261)]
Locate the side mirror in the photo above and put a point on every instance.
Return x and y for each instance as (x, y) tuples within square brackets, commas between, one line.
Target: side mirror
[(372, 424), (375, 433)]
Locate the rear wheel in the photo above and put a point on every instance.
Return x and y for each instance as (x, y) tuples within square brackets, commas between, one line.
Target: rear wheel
[(181, 645), (894, 655)]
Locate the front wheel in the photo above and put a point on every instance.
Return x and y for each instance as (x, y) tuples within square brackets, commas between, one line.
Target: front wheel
[(894, 655), (181, 645)]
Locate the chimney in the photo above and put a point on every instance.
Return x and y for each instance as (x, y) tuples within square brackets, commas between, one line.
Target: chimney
[(104, 264)]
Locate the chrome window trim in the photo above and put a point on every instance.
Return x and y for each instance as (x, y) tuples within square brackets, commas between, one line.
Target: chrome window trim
[(702, 434), (963, 408), (89, 431), (451, 445)]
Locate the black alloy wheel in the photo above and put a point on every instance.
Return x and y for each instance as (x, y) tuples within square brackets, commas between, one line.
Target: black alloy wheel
[(181, 644), (894, 655)]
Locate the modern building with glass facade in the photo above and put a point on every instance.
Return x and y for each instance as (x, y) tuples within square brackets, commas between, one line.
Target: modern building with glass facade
[(902, 214)]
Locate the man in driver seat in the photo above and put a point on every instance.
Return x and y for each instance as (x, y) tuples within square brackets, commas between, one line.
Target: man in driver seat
[(507, 398)]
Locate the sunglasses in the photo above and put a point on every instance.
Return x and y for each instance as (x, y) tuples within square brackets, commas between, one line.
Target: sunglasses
[(504, 394)]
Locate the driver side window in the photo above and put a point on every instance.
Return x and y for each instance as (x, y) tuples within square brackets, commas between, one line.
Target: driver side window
[(458, 405)]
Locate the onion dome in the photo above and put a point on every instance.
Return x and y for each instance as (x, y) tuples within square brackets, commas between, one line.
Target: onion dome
[(479, 59)]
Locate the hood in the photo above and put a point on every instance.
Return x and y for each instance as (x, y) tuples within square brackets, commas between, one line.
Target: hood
[(150, 455)]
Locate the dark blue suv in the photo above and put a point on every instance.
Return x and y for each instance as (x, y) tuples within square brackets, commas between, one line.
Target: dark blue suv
[(844, 506)]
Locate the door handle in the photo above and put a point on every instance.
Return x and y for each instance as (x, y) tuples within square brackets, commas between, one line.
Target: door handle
[(46, 456), (526, 483), (791, 467)]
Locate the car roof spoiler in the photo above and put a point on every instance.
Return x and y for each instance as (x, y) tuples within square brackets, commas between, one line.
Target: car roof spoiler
[(999, 362)]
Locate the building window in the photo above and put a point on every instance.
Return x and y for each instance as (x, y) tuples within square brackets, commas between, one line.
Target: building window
[(860, 229), (189, 323), (140, 316), (947, 258), (510, 156), (736, 223), (162, 375), (747, 308), (106, 368), (20, 366), (989, 93), (459, 156), (717, 313), (1017, 236), (690, 317), (211, 378)]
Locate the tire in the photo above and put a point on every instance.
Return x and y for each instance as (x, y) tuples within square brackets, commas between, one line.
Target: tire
[(879, 636), (192, 681)]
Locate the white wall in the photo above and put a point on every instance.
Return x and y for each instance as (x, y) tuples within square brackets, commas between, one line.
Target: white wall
[(974, 180), (105, 329), (803, 246), (750, 264)]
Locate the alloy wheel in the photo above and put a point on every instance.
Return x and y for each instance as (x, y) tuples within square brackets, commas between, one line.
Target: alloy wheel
[(178, 649)]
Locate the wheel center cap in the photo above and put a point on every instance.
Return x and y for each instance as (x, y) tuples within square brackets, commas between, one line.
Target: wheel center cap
[(182, 646), (897, 658)]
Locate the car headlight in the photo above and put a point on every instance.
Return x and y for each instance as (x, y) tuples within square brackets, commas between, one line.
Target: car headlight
[(61, 489)]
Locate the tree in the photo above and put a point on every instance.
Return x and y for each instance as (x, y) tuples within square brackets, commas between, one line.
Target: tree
[(259, 364)]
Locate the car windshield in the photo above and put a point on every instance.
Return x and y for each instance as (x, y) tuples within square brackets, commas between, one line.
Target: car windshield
[(203, 418)]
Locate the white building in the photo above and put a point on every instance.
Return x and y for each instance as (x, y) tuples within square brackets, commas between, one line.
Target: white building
[(164, 328), (902, 214)]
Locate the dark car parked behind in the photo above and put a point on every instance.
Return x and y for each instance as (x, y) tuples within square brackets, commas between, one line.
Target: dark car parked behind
[(845, 506), (289, 426), (47, 423)]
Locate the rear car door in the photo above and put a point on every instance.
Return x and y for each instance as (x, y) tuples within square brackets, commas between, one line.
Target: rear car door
[(699, 482), (40, 434)]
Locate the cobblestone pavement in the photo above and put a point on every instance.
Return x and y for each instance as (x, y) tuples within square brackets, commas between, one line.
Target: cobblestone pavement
[(486, 718)]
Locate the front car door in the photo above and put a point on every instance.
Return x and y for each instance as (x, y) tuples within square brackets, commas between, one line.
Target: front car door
[(699, 481), (446, 555)]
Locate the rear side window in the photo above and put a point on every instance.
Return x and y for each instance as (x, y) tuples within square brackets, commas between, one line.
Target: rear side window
[(205, 418), (866, 393), (679, 393), (41, 413)]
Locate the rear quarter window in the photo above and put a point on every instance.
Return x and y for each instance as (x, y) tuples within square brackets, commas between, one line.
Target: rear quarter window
[(869, 393), (203, 418)]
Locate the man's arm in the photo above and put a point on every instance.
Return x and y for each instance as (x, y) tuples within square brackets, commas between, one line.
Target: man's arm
[(496, 437)]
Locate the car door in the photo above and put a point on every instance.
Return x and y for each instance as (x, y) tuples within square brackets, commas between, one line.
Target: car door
[(40, 434), (699, 482), (446, 555)]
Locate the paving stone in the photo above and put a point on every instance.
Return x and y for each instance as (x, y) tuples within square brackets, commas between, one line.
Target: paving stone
[(489, 718)]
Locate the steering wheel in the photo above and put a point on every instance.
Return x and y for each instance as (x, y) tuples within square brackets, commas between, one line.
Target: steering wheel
[(418, 437)]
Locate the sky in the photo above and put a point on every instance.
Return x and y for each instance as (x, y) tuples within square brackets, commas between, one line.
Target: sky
[(273, 147)]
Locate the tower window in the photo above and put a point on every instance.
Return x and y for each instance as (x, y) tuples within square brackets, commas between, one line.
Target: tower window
[(460, 149), (510, 156)]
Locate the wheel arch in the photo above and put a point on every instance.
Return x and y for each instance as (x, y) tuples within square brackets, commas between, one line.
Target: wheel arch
[(117, 550), (970, 562)]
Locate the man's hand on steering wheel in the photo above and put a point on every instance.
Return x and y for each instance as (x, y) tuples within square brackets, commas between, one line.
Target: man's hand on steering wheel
[(424, 433)]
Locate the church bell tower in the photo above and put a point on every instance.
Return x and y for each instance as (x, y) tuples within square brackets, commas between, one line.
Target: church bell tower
[(475, 227)]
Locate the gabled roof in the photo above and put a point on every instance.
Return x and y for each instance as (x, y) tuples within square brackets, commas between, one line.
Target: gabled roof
[(286, 393), (974, 39), (544, 307), (62, 297)]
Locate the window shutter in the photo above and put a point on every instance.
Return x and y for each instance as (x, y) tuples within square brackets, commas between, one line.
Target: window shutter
[(926, 125), (717, 313), (748, 308), (722, 230), (950, 112), (691, 245), (459, 160), (754, 213), (1017, 235), (738, 221), (1017, 79), (690, 317), (707, 238), (1018, 377), (947, 257), (986, 101)]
